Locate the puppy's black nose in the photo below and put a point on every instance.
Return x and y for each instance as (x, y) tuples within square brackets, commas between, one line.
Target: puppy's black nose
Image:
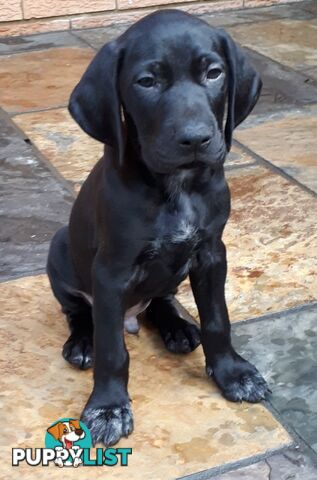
[(194, 139)]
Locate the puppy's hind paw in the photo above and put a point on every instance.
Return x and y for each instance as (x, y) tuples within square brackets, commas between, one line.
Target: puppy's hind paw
[(108, 424), (79, 351), (181, 337)]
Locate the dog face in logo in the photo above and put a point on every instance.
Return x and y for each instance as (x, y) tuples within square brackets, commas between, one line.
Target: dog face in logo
[(67, 432)]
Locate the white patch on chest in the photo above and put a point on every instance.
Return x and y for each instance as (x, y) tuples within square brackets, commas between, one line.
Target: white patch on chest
[(176, 225), (184, 227), (185, 231)]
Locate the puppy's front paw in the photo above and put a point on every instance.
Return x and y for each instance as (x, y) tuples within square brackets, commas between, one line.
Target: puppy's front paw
[(239, 380), (107, 425)]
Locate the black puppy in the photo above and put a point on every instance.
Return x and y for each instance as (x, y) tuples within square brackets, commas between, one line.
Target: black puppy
[(165, 98)]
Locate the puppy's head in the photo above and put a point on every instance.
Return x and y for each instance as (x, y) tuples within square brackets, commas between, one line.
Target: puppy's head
[(70, 431), (182, 85)]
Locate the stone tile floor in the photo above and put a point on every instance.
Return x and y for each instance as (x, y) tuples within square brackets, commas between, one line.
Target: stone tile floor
[(272, 284)]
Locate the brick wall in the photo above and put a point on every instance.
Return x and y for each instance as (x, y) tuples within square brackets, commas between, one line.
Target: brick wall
[(18, 17)]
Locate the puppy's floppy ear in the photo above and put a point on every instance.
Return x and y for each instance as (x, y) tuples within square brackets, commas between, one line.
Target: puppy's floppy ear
[(95, 102), (244, 85), (75, 424), (55, 430)]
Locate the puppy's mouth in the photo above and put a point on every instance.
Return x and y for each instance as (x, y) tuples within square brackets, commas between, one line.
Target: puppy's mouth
[(192, 165), (189, 166), (68, 443)]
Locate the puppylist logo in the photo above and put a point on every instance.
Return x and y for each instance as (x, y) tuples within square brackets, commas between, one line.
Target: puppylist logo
[(67, 444)]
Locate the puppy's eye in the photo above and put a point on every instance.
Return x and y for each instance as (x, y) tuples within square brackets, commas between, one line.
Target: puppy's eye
[(213, 73), (65, 430), (146, 82)]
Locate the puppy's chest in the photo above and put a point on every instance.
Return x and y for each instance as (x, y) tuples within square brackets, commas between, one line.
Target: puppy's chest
[(177, 234)]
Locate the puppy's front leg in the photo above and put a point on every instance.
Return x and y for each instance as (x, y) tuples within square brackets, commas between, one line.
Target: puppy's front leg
[(107, 413), (237, 379)]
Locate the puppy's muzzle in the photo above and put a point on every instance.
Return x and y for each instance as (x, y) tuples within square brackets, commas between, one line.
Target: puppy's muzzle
[(194, 139)]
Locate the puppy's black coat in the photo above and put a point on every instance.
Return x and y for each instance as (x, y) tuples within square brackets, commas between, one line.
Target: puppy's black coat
[(165, 98)]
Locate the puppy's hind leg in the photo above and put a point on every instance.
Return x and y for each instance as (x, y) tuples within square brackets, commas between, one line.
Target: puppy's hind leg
[(179, 332), (78, 349)]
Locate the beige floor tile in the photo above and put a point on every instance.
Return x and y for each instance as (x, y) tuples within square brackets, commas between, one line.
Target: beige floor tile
[(289, 141), (291, 42), (182, 424), (238, 157), (43, 79), (72, 152), (271, 241)]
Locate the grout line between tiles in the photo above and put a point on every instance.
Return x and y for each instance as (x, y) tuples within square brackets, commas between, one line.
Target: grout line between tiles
[(283, 66), (234, 466), (284, 111), (22, 9), (38, 48), (58, 176), (84, 40), (290, 429), (19, 276), (81, 44), (40, 155), (229, 168), (26, 112), (269, 316), (275, 169)]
